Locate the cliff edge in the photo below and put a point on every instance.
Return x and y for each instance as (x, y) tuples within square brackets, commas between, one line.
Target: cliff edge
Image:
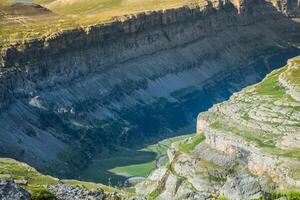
[(245, 148)]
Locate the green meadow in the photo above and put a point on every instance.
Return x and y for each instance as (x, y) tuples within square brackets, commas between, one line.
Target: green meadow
[(129, 163)]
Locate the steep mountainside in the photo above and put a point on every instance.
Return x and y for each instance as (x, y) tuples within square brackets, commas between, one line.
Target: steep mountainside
[(73, 94), (245, 148)]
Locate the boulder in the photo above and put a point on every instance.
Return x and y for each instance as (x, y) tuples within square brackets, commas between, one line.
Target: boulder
[(9, 190)]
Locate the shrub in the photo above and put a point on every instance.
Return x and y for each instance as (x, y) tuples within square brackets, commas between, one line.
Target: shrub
[(42, 194)]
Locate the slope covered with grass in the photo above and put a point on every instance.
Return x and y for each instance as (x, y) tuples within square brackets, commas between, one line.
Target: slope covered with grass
[(34, 181)]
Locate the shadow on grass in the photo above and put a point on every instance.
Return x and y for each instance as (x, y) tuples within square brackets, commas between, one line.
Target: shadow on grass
[(100, 168)]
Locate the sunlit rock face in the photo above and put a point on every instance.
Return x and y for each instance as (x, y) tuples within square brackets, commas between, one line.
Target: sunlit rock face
[(245, 148), (71, 95), (268, 130)]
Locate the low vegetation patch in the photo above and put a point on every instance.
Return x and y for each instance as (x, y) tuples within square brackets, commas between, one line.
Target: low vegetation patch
[(289, 195), (42, 194), (270, 85), (21, 171), (34, 181), (190, 145)]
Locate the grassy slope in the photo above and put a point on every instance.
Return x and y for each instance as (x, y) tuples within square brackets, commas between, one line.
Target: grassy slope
[(22, 172), (79, 13), (188, 147)]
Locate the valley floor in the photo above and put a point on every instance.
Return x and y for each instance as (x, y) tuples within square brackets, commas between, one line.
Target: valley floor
[(126, 163)]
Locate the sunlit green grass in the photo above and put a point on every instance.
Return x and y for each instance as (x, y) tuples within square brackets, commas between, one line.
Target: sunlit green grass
[(270, 85), (135, 170), (21, 171), (189, 146)]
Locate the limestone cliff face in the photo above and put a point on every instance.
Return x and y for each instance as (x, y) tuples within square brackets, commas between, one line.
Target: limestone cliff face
[(245, 148), (267, 134), (57, 89)]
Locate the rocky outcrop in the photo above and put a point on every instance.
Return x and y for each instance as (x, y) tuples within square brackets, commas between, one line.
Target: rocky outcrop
[(290, 81), (262, 127), (82, 90), (67, 192), (10, 190), (242, 187), (249, 147)]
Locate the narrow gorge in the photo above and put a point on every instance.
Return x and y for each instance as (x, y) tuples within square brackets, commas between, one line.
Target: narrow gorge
[(76, 95)]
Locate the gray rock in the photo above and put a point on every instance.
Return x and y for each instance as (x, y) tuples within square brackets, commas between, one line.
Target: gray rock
[(242, 187), (67, 192), (134, 180), (9, 190)]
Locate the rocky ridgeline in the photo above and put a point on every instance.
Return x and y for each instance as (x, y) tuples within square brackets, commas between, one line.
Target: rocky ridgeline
[(245, 148)]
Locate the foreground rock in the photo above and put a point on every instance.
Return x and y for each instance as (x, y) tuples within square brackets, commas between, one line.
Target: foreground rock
[(67, 192), (245, 148), (9, 190)]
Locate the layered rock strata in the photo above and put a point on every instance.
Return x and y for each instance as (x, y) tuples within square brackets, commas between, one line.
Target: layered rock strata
[(245, 148), (59, 94)]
